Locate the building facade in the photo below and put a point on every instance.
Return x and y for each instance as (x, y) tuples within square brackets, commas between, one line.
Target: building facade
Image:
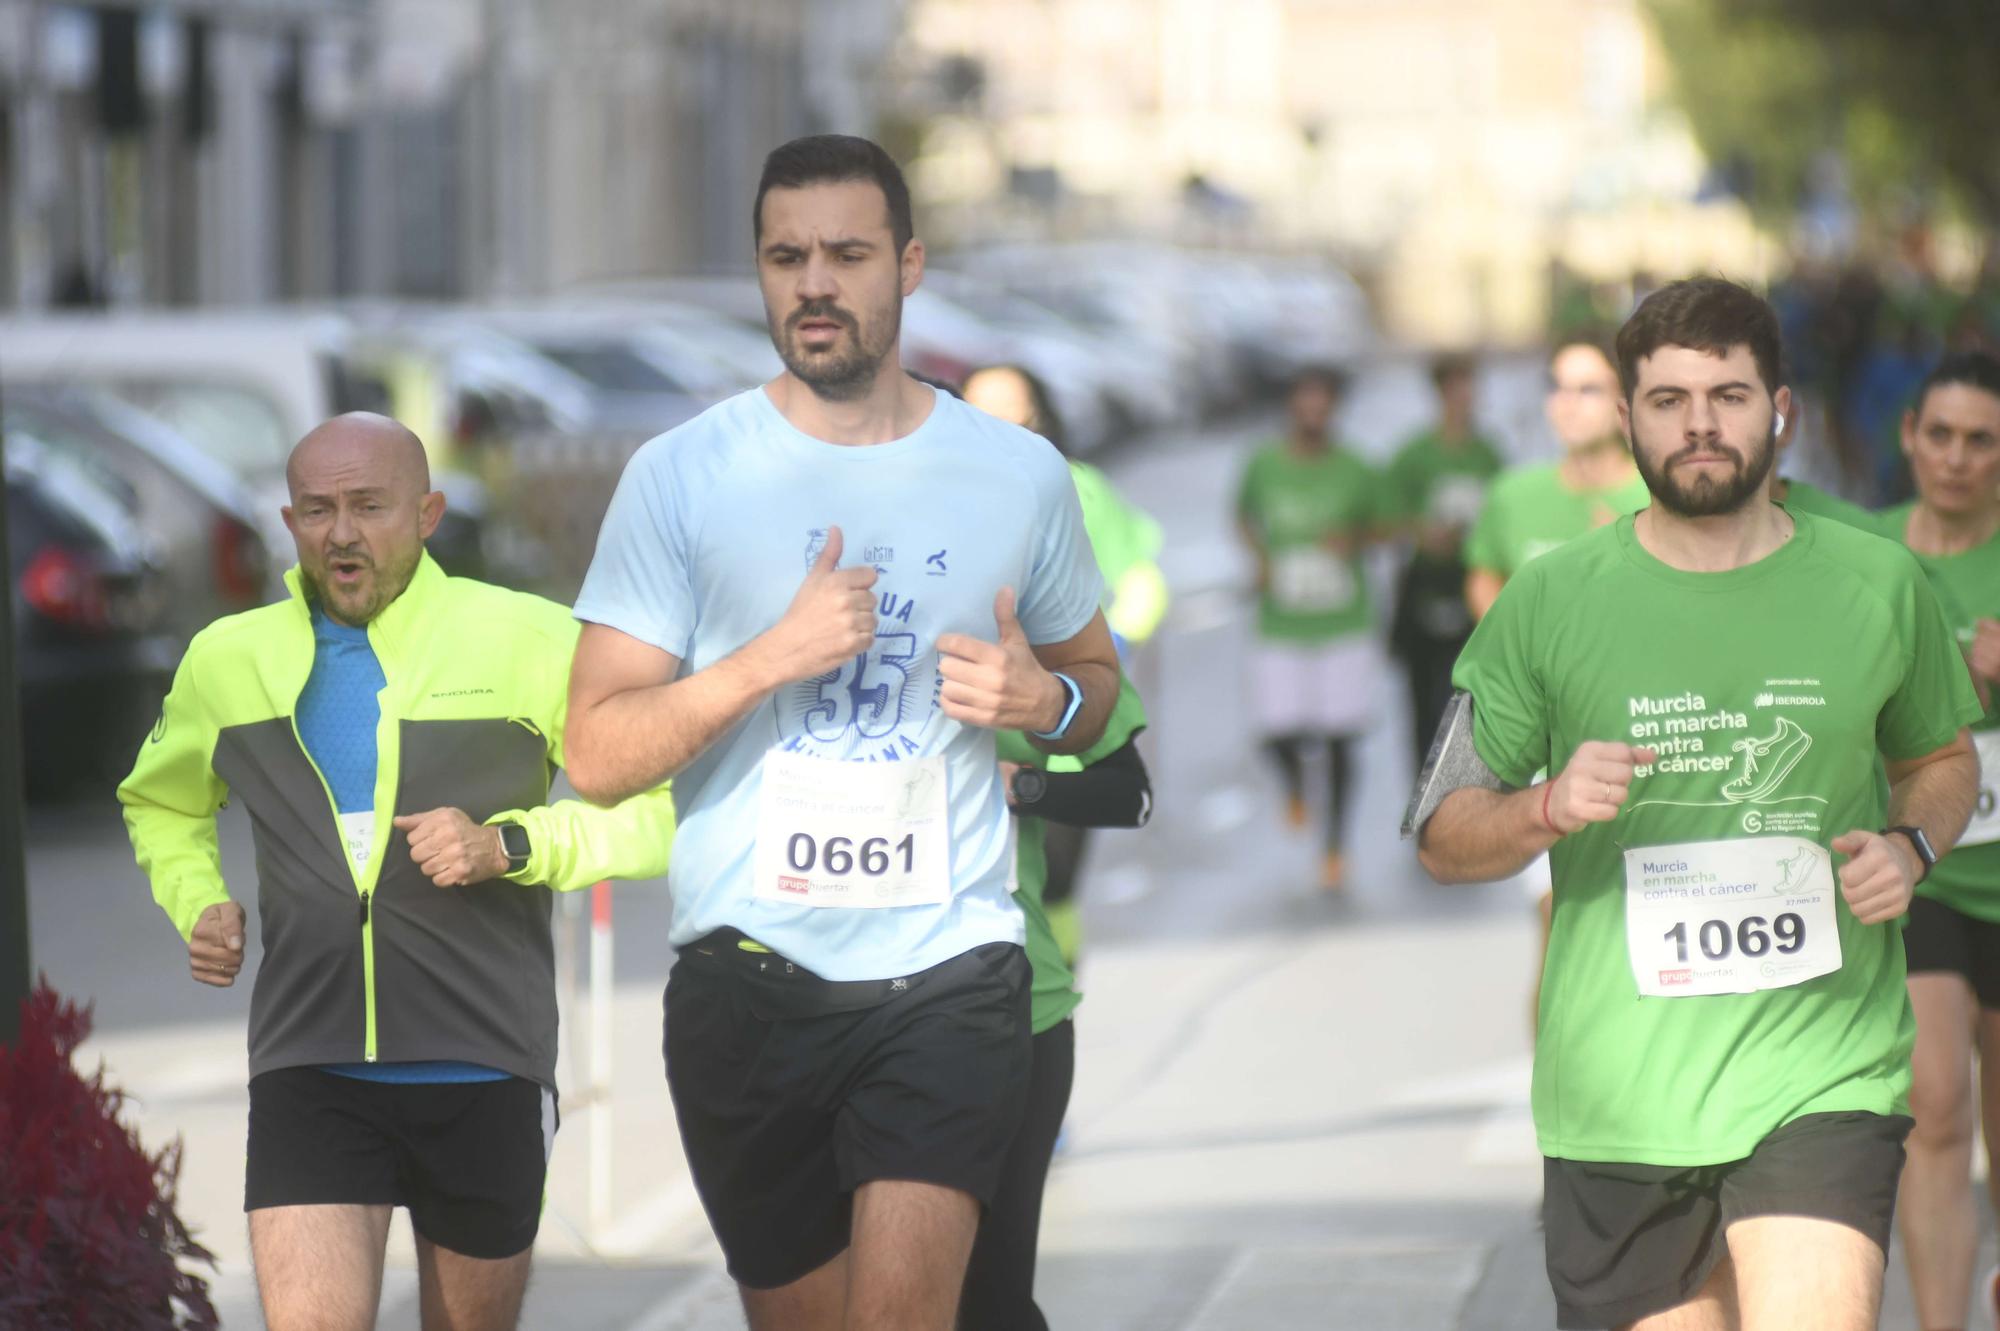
[(232, 151)]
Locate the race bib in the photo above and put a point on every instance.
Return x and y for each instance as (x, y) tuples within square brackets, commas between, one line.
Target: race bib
[(1455, 501), (1729, 917), (855, 835), (1310, 581), (357, 833), (1984, 829)]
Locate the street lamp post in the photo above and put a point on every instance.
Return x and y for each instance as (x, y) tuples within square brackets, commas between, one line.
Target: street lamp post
[(15, 972)]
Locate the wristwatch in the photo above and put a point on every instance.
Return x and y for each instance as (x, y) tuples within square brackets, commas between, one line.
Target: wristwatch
[(1069, 712), (1029, 785), (514, 843), (1922, 843)]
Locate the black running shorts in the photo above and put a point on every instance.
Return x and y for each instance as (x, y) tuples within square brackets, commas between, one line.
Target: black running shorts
[(1938, 938), (1628, 1241), (468, 1159), (792, 1091)]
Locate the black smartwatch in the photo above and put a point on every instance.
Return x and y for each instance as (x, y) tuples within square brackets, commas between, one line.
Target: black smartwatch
[(514, 844), (1922, 843), (1029, 785)]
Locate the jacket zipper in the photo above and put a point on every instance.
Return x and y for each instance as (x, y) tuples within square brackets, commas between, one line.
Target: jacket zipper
[(367, 916)]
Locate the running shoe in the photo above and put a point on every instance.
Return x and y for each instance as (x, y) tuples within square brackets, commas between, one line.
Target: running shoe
[(1767, 762)]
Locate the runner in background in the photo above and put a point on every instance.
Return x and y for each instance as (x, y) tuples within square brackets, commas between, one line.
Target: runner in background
[(1534, 509), (1126, 541), (1106, 786), (1438, 483), (1805, 498), (1308, 507), (1952, 939)]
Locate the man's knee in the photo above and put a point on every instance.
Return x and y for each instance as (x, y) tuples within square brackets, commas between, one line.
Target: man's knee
[(471, 1293), (1943, 1112)]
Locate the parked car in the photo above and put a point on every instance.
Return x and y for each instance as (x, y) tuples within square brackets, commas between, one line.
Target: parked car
[(201, 521), (242, 387), (91, 660)]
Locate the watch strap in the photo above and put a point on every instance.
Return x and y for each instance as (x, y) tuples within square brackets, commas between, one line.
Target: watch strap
[(1926, 855), (1069, 712)]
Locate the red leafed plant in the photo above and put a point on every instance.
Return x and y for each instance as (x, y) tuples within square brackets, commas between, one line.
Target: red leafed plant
[(88, 1234)]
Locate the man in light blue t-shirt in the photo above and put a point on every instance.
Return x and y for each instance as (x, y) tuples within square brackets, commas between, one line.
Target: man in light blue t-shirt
[(813, 606)]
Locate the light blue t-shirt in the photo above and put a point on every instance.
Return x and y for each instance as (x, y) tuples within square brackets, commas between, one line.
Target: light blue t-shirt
[(713, 528)]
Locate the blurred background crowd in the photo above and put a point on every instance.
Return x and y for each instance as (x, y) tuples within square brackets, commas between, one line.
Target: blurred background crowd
[(521, 227)]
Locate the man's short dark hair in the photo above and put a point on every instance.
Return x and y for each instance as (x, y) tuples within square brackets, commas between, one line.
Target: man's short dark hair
[(1449, 365), (832, 159), (1974, 369), (1707, 314)]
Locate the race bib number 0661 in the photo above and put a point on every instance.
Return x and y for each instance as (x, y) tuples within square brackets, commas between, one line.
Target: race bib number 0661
[(1729, 917), (857, 835)]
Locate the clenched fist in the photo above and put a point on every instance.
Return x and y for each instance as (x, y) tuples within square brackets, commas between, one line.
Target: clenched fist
[(1594, 784), (215, 948), (451, 849), (1880, 875), (830, 621), (999, 685)]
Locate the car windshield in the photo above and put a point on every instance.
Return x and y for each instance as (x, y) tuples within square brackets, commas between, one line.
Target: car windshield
[(236, 426), (609, 366)]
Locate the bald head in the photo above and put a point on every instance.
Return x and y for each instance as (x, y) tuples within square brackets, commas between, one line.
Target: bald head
[(361, 444), (361, 510)]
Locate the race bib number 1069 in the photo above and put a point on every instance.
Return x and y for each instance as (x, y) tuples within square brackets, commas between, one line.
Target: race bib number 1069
[(1729, 917)]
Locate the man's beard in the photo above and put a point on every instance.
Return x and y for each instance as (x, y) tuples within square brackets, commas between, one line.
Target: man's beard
[(1707, 497), (843, 375), (389, 582)]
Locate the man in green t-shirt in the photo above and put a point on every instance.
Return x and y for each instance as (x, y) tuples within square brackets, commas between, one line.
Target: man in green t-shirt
[(1437, 483), (1722, 1067), (1952, 940), (1532, 510), (1308, 508)]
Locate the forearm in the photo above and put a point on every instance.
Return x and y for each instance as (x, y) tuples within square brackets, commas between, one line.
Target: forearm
[(1099, 682), (1938, 797), (1482, 588), (573, 844), (635, 740), (178, 854), (1113, 792), (1478, 835)]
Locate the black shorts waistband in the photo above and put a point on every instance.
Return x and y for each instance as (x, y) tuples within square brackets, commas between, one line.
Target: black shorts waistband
[(784, 983)]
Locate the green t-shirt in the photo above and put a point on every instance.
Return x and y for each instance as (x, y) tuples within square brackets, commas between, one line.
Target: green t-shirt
[(1295, 505), (1121, 535), (1767, 692), (1432, 481), (1529, 512), (1968, 586), (1811, 499), (1053, 994)]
